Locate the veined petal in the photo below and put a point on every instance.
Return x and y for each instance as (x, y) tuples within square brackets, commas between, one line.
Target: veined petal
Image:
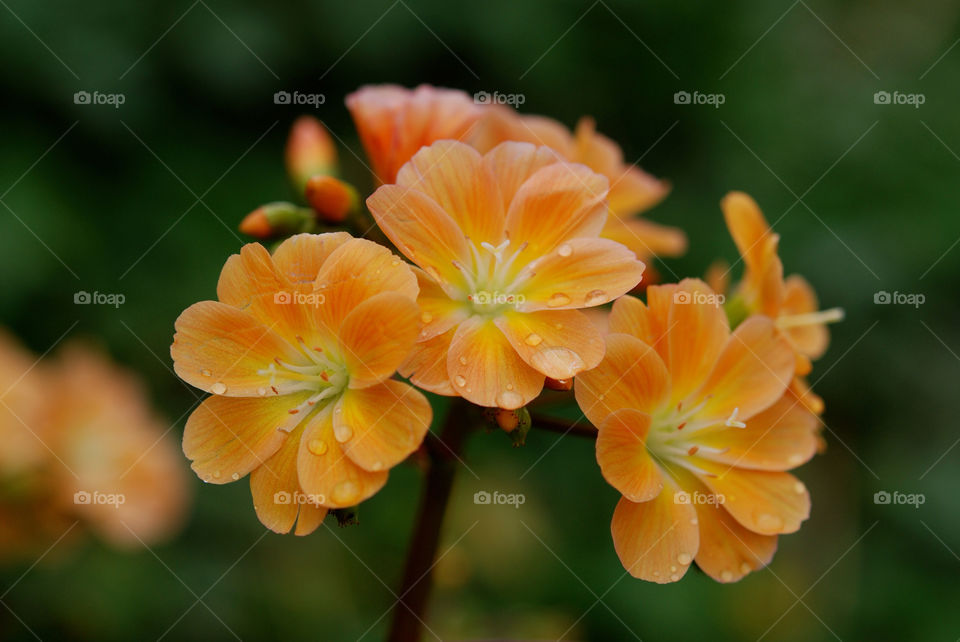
[(426, 366), (422, 231), (277, 497), (631, 375), (752, 372), (512, 163), (645, 238), (728, 551), (581, 273), (454, 176), (656, 540), (763, 281), (558, 202), (378, 336), (326, 472), (300, 257), (697, 332), (226, 438), (630, 316), (222, 349), (623, 457), (558, 343), (387, 422), (486, 370), (766, 502), (438, 312), (780, 438)]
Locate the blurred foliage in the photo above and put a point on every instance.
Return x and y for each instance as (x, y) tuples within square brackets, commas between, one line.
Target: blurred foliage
[(144, 200)]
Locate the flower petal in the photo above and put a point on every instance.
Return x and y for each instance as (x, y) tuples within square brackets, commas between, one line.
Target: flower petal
[(426, 366), (277, 497), (696, 334), (630, 316), (219, 348), (378, 336), (486, 370), (453, 175), (728, 551), (656, 540), (766, 502), (799, 298), (226, 438), (559, 202), (623, 457), (645, 238), (763, 280), (780, 438), (752, 372), (439, 312), (327, 473), (558, 343), (387, 422), (512, 163), (422, 231), (300, 257), (631, 375), (581, 273)]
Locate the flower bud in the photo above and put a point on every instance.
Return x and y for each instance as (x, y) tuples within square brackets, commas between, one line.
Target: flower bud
[(331, 198), (310, 151), (278, 219)]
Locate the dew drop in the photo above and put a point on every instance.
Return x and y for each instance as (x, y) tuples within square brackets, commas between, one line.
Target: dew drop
[(799, 488), (394, 263), (509, 399), (558, 299), (684, 558), (462, 360), (460, 381), (769, 522), (533, 339), (205, 372), (216, 474), (726, 576), (346, 492), (745, 568), (565, 250), (377, 465), (558, 363), (509, 386), (235, 476), (595, 297), (317, 446), (674, 577), (426, 317), (261, 391), (342, 433), (673, 568), (795, 459), (218, 388)]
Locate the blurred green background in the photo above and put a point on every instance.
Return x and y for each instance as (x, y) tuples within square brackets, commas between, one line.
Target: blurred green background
[(144, 200)]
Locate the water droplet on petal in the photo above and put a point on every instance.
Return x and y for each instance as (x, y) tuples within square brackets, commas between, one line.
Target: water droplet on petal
[(205, 372), (726, 576), (216, 474), (261, 391), (509, 386), (795, 459), (342, 432), (673, 568), (377, 465), (769, 522), (460, 381), (558, 299), (462, 360), (218, 388), (799, 488), (533, 339), (426, 317), (346, 492), (684, 558), (235, 476), (557, 363), (595, 297), (317, 446), (509, 399), (745, 568), (565, 250), (674, 577), (394, 263)]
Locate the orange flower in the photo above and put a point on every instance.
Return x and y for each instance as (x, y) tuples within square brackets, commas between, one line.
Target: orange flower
[(509, 249), (696, 429), (117, 469), (394, 122), (631, 189), (298, 352), (792, 303)]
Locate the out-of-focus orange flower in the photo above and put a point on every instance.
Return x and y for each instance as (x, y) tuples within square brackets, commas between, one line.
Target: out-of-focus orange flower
[(790, 302), (394, 122), (509, 247), (298, 352), (696, 431), (117, 469), (632, 190)]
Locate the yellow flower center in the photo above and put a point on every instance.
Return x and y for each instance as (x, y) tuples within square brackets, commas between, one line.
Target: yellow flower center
[(493, 280), (315, 372)]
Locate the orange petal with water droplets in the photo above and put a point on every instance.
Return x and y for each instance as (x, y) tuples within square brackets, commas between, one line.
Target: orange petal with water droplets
[(426, 366), (558, 343), (377, 336), (623, 457)]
